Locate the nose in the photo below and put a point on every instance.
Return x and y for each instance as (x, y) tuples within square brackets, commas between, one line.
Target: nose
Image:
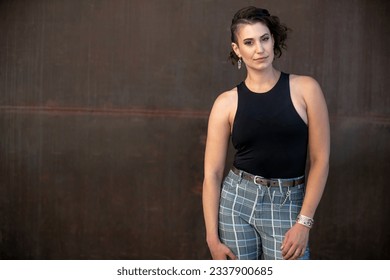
[(259, 47)]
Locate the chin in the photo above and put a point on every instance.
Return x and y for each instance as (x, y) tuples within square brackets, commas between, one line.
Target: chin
[(261, 67)]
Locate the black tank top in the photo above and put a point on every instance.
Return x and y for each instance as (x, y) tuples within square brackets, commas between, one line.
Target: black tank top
[(269, 136)]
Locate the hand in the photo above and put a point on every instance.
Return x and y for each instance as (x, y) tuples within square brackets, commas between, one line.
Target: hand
[(220, 251), (295, 242)]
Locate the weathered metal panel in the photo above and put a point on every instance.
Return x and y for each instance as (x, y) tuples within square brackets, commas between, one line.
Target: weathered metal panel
[(103, 118)]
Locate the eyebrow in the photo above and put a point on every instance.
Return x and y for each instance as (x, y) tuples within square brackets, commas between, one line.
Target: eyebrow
[(261, 37)]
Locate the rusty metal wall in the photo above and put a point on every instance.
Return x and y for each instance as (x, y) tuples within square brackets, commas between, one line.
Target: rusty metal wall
[(103, 117)]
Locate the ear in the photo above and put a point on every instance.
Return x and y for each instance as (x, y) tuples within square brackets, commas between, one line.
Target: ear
[(236, 49)]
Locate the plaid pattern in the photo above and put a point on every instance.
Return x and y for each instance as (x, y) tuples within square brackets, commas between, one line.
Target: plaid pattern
[(253, 219)]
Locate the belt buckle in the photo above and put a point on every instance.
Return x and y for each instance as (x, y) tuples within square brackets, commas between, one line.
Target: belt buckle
[(266, 183), (255, 178)]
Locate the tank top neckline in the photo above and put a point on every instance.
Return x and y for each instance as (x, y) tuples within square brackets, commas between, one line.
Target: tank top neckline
[(265, 92)]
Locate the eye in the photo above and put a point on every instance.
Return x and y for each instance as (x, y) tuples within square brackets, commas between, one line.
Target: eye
[(265, 39), (248, 43)]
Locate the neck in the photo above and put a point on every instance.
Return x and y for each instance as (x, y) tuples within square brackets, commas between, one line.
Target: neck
[(262, 75), (261, 81)]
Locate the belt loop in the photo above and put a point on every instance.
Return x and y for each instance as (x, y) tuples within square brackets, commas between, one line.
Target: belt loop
[(280, 185), (240, 175)]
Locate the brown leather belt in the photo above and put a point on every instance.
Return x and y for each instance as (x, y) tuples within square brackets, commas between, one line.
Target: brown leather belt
[(268, 182)]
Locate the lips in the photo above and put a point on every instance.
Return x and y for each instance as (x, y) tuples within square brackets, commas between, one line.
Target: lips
[(261, 58)]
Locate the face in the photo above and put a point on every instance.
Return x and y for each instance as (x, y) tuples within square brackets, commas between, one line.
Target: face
[(255, 45)]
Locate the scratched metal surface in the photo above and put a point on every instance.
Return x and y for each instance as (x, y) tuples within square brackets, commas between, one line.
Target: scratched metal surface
[(104, 187), (103, 118)]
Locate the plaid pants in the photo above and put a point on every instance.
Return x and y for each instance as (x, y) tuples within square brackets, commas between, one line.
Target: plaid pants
[(253, 219)]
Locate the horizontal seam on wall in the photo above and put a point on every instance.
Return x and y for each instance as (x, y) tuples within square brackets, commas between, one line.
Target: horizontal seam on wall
[(142, 112)]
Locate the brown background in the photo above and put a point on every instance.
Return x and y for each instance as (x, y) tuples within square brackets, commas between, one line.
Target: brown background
[(103, 117)]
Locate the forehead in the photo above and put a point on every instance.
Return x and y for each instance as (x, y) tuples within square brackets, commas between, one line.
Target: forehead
[(252, 30)]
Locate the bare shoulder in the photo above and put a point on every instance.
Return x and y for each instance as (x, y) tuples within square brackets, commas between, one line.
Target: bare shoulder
[(311, 93), (306, 88), (227, 98), (224, 109), (226, 102), (304, 83)]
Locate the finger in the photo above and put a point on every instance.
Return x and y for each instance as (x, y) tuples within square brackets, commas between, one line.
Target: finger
[(228, 253), (303, 252), (231, 255), (297, 254), (285, 248), (284, 242), (290, 253)]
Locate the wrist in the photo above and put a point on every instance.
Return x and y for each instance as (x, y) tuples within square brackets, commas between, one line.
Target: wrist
[(305, 221), (213, 240)]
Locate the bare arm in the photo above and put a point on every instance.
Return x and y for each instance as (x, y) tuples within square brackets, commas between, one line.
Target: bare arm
[(319, 148), (216, 149)]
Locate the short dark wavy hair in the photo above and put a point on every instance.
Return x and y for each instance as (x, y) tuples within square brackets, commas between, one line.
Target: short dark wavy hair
[(251, 15)]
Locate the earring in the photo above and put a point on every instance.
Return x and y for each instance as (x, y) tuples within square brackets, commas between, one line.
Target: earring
[(239, 63)]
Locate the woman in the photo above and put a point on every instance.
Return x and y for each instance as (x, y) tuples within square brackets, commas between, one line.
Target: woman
[(265, 208)]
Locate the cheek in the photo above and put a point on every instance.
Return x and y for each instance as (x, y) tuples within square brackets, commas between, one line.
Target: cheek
[(246, 51), (270, 46), (271, 50)]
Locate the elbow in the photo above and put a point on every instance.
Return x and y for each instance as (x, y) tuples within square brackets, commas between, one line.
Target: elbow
[(320, 162), (212, 179)]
